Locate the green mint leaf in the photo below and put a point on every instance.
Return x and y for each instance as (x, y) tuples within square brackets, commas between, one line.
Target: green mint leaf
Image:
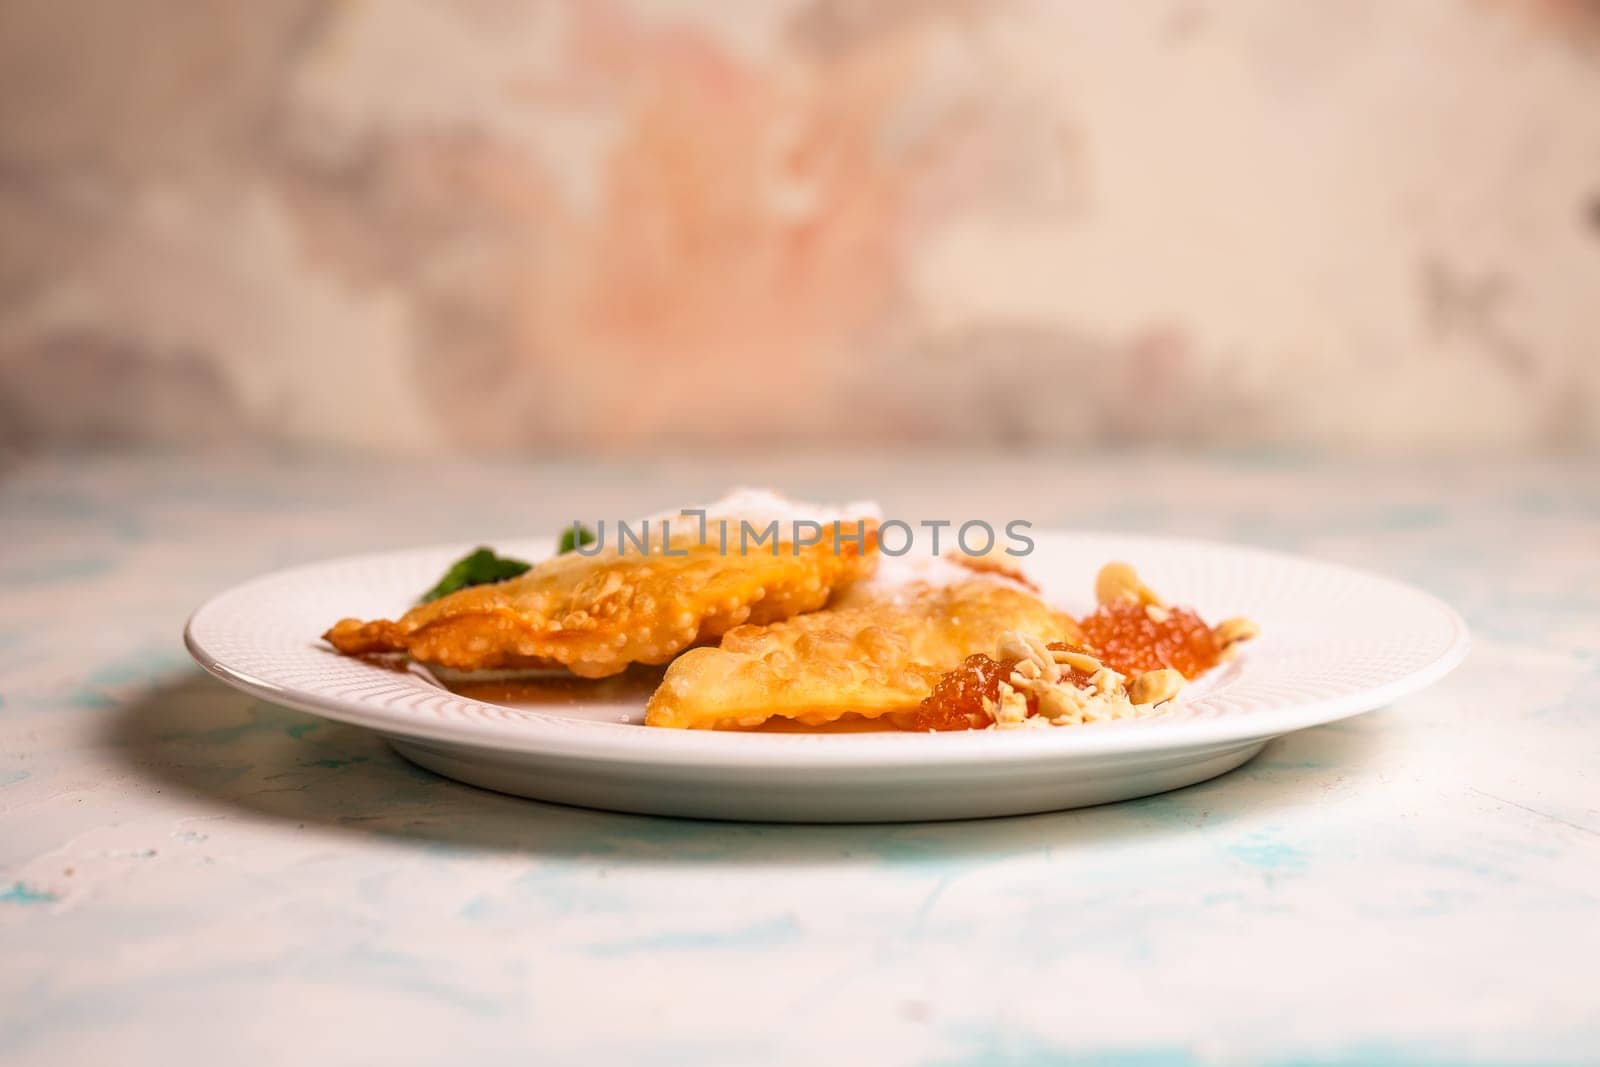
[(479, 567), (585, 536)]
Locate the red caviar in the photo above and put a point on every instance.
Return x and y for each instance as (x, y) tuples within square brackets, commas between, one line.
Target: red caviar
[(1131, 639), (956, 702)]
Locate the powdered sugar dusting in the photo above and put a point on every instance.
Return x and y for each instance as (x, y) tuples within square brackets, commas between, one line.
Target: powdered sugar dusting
[(765, 505), (898, 574)]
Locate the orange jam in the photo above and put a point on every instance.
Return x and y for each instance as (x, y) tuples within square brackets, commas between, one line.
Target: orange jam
[(1128, 640)]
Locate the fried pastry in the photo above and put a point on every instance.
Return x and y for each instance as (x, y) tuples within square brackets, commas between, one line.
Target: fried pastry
[(878, 650), (594, 615)]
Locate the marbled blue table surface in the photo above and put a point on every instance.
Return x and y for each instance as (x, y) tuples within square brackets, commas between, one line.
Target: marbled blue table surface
[(188, 873)]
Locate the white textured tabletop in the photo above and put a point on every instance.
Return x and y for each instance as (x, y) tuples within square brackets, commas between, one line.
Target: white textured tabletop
[(188, 872)]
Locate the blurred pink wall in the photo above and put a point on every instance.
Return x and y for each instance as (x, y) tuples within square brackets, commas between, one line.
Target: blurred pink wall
[(409, 224)]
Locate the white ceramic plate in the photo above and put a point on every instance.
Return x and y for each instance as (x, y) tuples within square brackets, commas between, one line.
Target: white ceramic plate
[(1335, 642)]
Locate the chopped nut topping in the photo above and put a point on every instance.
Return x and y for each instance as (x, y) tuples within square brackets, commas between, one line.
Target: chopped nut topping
[(1081, 661), (1025, 648), (1119, 581), (1230, 632), (1011, 709), (1056, 695), (1154, 687)]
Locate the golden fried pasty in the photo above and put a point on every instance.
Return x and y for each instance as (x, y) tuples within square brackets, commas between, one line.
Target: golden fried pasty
[(595, 615), (878, 651)]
